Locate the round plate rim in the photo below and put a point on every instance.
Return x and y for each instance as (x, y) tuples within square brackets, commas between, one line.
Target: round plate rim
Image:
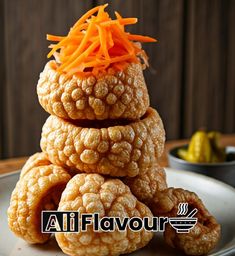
[(224, 252)]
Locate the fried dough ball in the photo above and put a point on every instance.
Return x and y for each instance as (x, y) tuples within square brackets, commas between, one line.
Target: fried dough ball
[(203, 237), (145, 185), (108, 96), (41, 159), (199, 241), (123, 149), (92, 193), (36, 160), (39, 189)]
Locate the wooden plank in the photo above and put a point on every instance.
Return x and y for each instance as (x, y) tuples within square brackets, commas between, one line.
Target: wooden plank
[(26, 25), (162, 19), (12, 164), (229, 122), (205, 64), (2, 79)]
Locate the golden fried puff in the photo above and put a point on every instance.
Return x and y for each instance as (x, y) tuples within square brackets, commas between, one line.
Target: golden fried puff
[(36, 160), (145, 185), (92, 193), (116, 148), (38, 189), (206, 233), (41, 159), (105, 96)]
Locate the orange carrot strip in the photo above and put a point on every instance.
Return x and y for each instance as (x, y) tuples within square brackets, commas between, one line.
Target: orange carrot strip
[(96, 62), (128, 21), (82, 56), (74, 40), (87, 15), (123, 44), (62, 43), (68, 50), (126, 43), (94, 38), (120, 65), (101, 14), (140, 38), (117, 51), (54, 38), (58, 46), (109, 37), (123, 21), (118, 16), (102, 34), (78, 29)]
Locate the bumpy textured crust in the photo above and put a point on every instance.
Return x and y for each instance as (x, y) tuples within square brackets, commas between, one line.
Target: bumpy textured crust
[(110, 96), (41, 159), (145, 185), (122, 150), (39, 189), (203, 237), (92, 193), (36, 160)]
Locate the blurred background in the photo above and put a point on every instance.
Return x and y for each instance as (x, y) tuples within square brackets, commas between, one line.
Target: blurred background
[(191, 79)]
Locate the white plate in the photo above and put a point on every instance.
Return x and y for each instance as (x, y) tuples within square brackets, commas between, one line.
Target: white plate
[(218, 197)]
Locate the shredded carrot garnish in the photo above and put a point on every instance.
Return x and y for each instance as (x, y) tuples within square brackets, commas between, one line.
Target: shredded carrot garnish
[(125, 21), (97, 42), (54, 38)]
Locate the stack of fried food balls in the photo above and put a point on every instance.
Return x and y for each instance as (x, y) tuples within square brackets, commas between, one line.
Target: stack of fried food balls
[(100, 146)]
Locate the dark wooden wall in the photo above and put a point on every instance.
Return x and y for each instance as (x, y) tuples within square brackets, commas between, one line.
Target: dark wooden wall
[(191, 80)]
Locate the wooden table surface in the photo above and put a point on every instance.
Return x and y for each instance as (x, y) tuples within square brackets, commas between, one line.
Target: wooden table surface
[(14, 164)]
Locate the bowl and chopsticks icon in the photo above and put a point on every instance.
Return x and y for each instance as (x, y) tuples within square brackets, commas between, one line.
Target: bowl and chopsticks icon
[(185, 223)]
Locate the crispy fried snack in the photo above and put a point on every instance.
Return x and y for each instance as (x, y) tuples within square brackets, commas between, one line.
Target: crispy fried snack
[(92, 193), (145, 185), (36, 160), (110, 96), (41, 159), (203, 237), (38, 189), (116, 148)]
